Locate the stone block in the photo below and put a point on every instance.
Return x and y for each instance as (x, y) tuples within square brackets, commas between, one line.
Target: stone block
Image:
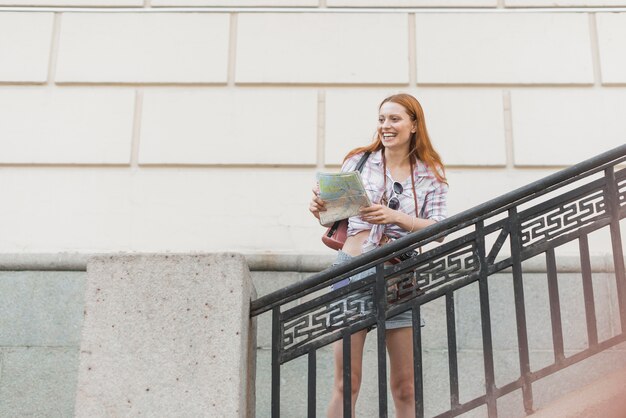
[(38, 382), (134, 48), (564, 3), (545, 121), (351, 121), (25, 40), (74, 3), (235, 3), (220, 126), (321, 48), (612, 42), (411, 3), (170, 210), (155, 332), (41, 308), (202, 197), (465, 191), (73, 126), (520, 48), (66, 209)]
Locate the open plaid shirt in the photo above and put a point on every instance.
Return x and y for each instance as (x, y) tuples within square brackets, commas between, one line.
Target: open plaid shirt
[(431, 197)]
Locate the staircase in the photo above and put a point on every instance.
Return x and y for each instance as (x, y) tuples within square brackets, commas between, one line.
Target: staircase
[(498, 243)]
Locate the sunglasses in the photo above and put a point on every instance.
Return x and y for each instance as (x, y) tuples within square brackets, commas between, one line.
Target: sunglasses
[(394, 202)]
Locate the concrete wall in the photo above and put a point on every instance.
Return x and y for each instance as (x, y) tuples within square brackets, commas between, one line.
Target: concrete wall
[(42, 313), (151, 129)]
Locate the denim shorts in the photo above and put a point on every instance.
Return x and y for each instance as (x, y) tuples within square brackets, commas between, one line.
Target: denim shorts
[(365, 302)]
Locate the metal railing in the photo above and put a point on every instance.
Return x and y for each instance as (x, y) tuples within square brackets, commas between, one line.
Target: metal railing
[(535, 219)]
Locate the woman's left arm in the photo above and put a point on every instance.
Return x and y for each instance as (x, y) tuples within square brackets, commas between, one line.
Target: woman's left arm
[(435, 209), (380, 214)]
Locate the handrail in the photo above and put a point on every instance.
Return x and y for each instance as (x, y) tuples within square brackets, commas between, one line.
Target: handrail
[(454, 223)]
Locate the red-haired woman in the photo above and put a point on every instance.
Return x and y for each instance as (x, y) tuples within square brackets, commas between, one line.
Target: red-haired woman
[(402, 170)]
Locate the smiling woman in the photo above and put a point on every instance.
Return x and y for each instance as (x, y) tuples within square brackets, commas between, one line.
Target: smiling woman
[(405, 179)]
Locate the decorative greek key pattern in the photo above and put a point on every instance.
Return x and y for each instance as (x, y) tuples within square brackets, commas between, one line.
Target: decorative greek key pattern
[(328, 318), (562, 218), (449, 266)]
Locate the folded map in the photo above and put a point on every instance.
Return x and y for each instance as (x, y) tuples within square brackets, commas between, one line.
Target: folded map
[(344, 195)]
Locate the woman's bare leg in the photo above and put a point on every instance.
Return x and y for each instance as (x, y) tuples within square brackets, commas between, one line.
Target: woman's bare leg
[(335, 408), (400, 349)]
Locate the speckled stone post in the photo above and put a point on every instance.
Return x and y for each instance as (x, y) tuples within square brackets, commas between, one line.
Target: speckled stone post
[(166, 336)]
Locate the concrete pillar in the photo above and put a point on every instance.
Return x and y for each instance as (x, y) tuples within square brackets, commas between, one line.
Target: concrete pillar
[(166, 335)]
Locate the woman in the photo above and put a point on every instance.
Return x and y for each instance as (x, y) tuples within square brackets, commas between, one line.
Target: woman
[(402, 170)]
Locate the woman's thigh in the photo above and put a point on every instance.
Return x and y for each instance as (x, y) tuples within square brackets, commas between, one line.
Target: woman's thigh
[(400, 349), (357, 341)]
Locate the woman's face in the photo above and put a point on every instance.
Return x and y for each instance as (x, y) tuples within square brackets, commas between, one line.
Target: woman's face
[(395, 125)]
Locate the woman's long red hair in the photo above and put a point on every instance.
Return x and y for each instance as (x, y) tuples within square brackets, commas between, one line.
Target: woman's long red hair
[(420, 147)]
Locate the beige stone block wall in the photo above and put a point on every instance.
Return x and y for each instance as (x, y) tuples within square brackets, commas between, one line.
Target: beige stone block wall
[(73, 3), (612, 41), (229, 126), (322, 48), (564, 3), (412, 3), (503, 49), (235, 3), (562, 127), (143, 48), (158, 130), (71, 126), (56, 209), (25, 40), (157, 209)]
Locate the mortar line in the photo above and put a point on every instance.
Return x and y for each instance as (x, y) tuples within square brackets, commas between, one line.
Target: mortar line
[(595, 50), (322, 4), (232, 51), (146, 4), (507, 114), (321, 129), (54, 48), (412, 51), (134, 147)]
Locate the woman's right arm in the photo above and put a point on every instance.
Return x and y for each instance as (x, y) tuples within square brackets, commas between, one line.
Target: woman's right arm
[(317, 205)]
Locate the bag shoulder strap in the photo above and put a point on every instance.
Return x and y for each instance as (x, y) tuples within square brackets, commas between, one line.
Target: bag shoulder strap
[(361, 163)]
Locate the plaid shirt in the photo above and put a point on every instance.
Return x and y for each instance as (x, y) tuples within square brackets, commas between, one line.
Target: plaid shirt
[(431, 197)]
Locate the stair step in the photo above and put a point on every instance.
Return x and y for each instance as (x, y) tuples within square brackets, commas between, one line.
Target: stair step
[(604, 398)]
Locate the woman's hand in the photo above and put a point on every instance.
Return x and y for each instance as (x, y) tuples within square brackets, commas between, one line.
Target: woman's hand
[(317, 205), (379, 214)]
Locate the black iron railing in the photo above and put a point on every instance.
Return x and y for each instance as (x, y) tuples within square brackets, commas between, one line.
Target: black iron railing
[(534, 220)]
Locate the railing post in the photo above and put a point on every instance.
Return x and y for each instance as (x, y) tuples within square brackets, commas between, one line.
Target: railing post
[(417, 361), (485, 319), (612, 202), (380, 299), (347, 375), (453, 364), (276, 345), (555, 306), (312, 384), (520, 310), (590, 305)]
